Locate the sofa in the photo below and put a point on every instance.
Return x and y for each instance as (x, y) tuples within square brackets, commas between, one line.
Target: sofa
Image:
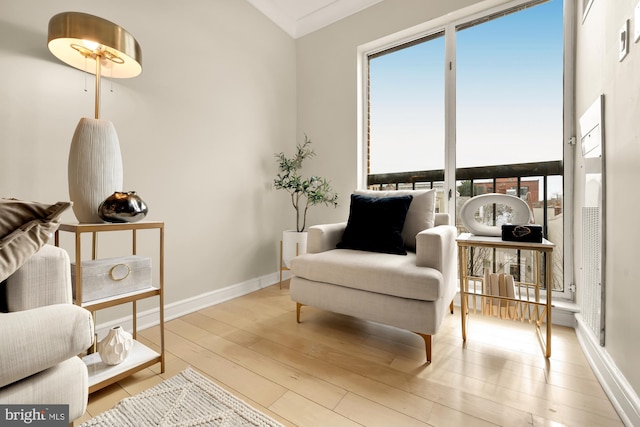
[(41, 330), (411, 290)]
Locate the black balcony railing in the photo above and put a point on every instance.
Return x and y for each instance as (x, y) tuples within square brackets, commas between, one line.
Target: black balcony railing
[(518, 170), (530, 181), (431, 178)]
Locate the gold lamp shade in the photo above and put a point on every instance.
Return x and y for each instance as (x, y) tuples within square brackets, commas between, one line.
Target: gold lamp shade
[(75, 37)]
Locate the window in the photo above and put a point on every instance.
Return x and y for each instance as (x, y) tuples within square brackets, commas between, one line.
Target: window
[(406, 107), (481, 96), (509, 87)]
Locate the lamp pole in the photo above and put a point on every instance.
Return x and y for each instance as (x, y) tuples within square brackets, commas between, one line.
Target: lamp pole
[(98, 59)]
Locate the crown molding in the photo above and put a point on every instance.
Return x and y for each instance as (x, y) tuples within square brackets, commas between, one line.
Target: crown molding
[(299, 18)]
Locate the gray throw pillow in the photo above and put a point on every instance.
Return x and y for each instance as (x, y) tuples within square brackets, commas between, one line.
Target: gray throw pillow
[(24, 228)]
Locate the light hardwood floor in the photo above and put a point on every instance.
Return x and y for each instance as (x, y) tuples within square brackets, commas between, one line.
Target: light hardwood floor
[(334, 370)]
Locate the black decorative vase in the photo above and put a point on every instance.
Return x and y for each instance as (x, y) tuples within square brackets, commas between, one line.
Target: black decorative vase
[(123, 206)]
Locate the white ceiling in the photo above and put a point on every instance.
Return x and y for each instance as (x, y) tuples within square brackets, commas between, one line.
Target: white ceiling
[(301, 17)]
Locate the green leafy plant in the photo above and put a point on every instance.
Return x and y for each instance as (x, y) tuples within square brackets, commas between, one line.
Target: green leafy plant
[(304, 192)]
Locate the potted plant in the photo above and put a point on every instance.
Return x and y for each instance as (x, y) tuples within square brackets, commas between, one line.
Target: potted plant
[(304, 192)]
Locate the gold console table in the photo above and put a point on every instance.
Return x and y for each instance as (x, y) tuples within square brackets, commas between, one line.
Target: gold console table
[(530, 307)]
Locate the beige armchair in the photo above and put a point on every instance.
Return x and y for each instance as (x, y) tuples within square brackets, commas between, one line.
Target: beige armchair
[(42, 334), (412, 290)]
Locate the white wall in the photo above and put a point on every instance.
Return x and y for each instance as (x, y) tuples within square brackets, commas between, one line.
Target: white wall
[(600, 72), (198, 129)]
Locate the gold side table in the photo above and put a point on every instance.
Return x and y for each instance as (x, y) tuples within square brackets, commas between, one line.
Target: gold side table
[(539, 311), (101, 375)]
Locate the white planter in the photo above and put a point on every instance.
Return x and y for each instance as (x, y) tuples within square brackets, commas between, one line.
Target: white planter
[(293, 243), (116, 346)]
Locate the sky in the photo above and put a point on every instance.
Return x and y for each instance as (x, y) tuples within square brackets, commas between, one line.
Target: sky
[(508, 96)]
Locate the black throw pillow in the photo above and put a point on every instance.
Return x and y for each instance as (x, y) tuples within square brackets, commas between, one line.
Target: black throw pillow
[(375, 224)]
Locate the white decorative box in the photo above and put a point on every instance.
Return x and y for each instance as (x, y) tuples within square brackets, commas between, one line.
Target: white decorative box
[(103, 278)]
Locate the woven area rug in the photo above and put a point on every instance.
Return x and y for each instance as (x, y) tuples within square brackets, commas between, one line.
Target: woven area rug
[(187, 399)]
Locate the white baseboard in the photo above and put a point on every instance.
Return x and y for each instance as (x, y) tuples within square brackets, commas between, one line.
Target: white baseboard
[(149, 318), (615, 385)]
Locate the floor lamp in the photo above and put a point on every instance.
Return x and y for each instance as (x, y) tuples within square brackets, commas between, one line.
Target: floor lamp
[(95, 162)]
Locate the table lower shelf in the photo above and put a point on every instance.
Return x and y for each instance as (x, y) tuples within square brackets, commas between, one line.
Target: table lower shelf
[(102, 375), (535, 312)]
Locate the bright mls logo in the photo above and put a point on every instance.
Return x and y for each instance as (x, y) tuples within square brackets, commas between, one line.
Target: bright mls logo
[(34, 415)]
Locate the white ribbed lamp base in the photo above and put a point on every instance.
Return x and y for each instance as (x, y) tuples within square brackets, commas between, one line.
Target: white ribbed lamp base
[(95, 167)]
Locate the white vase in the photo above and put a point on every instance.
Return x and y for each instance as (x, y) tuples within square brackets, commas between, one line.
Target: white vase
[(95, 167), (116, 346), (293, 243)]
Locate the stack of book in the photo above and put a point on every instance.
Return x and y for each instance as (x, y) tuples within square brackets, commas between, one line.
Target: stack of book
[(497, 287)]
